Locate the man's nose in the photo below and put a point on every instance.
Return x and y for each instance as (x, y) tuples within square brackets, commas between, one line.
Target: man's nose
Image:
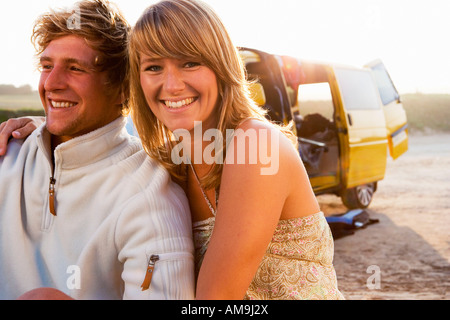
[(55, 79)]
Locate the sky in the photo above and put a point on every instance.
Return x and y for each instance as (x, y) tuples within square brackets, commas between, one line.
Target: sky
[(411, 37)]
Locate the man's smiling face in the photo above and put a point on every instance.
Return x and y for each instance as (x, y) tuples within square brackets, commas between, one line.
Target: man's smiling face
[(74, 94)]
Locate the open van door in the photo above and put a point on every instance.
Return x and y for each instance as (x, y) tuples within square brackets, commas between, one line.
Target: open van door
[(364, 146), (394, 112)]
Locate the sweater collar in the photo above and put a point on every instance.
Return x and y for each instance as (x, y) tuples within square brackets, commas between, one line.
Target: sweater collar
[(86, 149)]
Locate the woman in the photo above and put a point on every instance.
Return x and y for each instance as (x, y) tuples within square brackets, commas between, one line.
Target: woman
[(270, 239)]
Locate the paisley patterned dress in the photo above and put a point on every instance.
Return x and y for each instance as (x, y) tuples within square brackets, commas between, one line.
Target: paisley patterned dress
[(297, 265)]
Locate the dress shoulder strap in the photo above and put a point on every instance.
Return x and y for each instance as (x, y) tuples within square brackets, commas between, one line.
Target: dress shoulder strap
[(211, 208)]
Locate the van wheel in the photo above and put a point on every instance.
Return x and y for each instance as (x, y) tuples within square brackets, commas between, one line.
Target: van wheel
[(359, 197)]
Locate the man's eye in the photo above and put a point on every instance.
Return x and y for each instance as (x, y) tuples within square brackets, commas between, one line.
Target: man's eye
[(74, 68)]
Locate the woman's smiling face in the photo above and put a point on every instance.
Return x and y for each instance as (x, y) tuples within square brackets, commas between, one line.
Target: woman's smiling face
[(180, 92)]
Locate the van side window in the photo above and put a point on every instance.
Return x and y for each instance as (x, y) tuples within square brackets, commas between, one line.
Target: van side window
[(316, 109), (316, 98), (388, 93), (358, 89)]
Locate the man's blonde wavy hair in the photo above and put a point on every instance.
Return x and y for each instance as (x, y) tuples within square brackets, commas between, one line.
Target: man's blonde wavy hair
[(104, 29), (188, 29)]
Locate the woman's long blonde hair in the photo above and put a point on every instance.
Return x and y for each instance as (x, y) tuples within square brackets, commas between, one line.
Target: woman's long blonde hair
[(188, 29)]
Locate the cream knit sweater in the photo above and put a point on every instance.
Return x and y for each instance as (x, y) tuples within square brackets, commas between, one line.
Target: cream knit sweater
[(115, 208)]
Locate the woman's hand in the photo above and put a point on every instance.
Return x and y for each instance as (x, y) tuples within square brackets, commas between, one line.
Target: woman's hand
[(18, 128), (44, 294)]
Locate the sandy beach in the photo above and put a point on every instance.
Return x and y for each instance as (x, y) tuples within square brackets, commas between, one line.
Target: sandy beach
[(406, 255)]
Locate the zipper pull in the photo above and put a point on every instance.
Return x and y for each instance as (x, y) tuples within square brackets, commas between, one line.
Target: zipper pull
[(149, 274), (51, 196)]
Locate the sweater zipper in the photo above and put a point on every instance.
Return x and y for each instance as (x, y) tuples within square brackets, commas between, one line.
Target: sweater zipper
[(51, 196), (149, 274)]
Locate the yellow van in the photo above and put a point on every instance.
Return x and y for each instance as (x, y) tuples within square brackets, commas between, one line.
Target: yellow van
[(346, 119)]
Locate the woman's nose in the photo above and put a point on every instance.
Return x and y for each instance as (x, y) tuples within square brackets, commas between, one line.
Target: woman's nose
[(173, 80)]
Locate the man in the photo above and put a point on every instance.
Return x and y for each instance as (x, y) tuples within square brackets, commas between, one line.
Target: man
[(83, 210)]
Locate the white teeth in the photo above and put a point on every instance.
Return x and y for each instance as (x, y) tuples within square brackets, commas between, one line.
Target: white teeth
[(178, 104), (62, 104)]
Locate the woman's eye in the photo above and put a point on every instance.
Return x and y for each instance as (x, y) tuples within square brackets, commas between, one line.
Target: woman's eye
[(191, 64), (152, 68)]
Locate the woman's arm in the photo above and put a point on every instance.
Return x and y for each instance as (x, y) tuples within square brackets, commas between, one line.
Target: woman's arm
[(18, 128), (250, 206)]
